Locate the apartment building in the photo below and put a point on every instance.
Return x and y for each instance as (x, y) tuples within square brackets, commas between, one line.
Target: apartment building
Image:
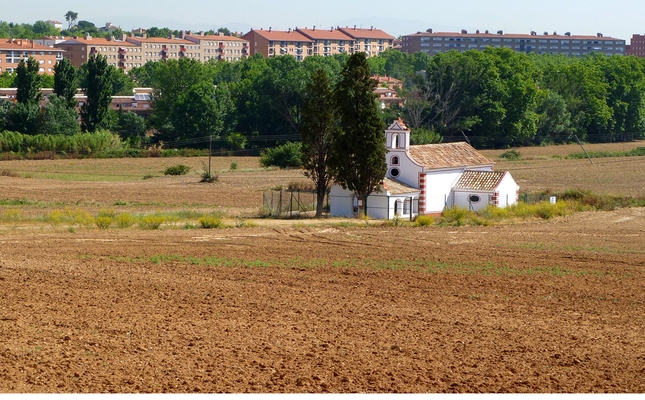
[(161, 49), (220, 47), (271, 42), (327, 42), (371, 41), (14, 50), (301, 43), (119, 53), (571, 45), (131, 51), (636, 46)]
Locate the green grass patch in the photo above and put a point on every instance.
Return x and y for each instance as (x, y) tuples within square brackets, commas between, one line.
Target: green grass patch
[(431, 267), (637, 152)]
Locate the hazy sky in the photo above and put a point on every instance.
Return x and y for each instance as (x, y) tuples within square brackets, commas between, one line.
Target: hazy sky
[(617, 18)]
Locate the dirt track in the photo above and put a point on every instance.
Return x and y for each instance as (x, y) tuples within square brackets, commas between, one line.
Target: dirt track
[(532, 307)]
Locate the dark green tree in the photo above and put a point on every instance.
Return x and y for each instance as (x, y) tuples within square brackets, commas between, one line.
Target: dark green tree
[(7, 79), (197, 114), (57, 118), (24, 118), (319, 130), (28, 81), (66, 81), (131, 128), (359, 153), (98, 89)]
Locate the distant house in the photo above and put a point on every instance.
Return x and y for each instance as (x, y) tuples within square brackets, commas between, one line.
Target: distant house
[(426, 179), (55, 24)]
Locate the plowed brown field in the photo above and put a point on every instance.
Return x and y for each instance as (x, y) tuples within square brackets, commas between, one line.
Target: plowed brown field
[(311, 306)]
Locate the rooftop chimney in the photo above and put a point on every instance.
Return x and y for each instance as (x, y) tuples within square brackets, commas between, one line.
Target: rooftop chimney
[(429, 30)]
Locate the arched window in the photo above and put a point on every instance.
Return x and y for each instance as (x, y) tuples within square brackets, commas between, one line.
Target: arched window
[(394, 160), (395, 141)]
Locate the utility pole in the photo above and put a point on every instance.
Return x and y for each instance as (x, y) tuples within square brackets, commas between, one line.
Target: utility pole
[(583, 149)]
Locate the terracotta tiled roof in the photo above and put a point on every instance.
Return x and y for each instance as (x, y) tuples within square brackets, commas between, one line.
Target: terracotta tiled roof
[(216, 38), (282, 36), (361, 33), (24, 44), (448, 155), (159, 40), (397, 187), (479, 180), (96, 42), (511, 36), (324, 34)]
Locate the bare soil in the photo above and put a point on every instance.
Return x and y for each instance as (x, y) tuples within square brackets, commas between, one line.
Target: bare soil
[(537, 307), (553, 306)]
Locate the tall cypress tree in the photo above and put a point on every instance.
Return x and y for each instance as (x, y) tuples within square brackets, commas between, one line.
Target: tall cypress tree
[(66, 81), (359, 156), (98, 89), (28, 81), (319, 129)]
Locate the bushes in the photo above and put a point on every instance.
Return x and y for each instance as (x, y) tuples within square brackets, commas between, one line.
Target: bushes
[(179, 169), (288, 155), (210, 222), (424, 220), (511, 155), (80, 143)]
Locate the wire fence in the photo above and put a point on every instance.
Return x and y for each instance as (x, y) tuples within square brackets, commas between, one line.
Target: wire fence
[(292, 203)]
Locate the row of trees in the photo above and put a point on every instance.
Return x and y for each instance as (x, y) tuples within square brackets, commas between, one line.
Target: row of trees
[(495, 98), (98, 80)]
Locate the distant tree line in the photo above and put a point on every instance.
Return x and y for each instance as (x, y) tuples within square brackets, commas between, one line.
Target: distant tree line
[(494, 98)]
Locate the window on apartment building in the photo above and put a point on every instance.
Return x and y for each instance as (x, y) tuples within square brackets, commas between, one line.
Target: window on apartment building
[(508, 40), (496, 40), (436, 39)]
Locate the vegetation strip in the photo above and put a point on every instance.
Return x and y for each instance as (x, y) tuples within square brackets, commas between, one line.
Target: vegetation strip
[(432, 267)]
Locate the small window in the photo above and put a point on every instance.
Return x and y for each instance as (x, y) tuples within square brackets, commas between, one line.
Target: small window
[(394, 160), (474, 198), (395, 172)]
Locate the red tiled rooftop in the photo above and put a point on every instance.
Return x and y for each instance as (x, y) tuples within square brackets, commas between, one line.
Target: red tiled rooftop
[(448, 155), (324, 34), (363, 33), (396, 187), (479, 180), (216, 38), (23, 44), (511, 36), (95, 42), (159, 40), (282, 36)]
